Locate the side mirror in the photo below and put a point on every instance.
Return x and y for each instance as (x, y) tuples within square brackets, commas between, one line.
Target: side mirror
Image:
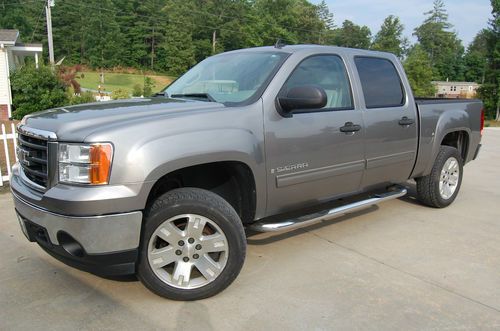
[(303, 97)]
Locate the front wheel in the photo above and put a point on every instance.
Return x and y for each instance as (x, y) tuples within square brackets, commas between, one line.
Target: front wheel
[(440, 188), (193, 245)]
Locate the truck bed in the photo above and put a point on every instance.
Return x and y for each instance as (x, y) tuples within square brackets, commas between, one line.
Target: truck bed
[(438, 117)]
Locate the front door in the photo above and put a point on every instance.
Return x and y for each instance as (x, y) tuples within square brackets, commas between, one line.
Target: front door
[(308, 158)]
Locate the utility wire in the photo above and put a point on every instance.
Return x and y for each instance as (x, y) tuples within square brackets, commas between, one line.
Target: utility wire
[(169, 20), (20, 4), (36, 26)]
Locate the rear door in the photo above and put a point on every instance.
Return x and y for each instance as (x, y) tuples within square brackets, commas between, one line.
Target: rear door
[(389, 116)]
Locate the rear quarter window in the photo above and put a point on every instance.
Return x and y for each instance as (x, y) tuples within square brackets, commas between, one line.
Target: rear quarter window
[(380, 82)]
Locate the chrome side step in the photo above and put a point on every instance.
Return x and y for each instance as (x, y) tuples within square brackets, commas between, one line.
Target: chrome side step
[(306, 220)]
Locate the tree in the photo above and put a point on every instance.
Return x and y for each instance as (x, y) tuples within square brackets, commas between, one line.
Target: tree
[(326, 18), (176, 52), (325, 15), (165, 35), (475, 60), (143, 25), (103, 33), (489, 92), (352, 35), (419, 72), (444, 48), (390, 37), (36, 90), (16, 15)]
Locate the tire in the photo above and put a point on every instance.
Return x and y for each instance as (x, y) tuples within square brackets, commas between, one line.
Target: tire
[(210, 256), (428, 187)]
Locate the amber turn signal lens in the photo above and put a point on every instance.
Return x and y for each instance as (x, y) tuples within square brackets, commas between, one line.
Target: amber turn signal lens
[(100, 163)]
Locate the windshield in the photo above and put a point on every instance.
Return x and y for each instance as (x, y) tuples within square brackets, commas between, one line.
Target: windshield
[(234, 77)]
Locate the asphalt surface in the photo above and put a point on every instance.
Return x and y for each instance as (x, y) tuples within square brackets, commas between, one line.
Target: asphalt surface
[(398, 266)]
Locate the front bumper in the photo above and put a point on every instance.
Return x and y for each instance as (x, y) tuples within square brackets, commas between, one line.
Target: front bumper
[(104, 245)]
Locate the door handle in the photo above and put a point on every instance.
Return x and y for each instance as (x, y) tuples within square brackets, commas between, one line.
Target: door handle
[(349, 127), (405, 121)]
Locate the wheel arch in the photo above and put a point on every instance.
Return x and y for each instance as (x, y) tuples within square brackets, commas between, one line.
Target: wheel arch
[(233, 180)]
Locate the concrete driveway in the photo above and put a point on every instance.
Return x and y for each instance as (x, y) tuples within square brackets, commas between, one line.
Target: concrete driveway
[(399, 266)]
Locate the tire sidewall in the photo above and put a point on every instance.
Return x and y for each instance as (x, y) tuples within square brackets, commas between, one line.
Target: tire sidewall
[(228, 221), (444, 155)]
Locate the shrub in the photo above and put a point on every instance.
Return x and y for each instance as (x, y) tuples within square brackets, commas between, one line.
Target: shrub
[(84, 97), (120, 94), (35, 90), (148, 86), (137, 91)]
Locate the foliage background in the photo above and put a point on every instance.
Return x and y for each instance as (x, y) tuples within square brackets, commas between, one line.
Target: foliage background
[(170, 36)]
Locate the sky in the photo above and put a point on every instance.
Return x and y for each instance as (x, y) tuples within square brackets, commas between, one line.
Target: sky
[(467, 16)]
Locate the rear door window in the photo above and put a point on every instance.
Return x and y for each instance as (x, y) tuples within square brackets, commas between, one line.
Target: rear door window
[(380, 81)]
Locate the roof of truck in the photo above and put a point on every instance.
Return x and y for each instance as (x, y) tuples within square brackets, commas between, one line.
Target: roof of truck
[(310, 48)]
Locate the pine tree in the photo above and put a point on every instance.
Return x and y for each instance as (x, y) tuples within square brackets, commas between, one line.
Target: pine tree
[(390, 37), (444, 48), (177, 52), (325, 15), (102, 32)]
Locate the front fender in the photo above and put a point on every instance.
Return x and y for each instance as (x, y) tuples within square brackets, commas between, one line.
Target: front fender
[(165, 154)]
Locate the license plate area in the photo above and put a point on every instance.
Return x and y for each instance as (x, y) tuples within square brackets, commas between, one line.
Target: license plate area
[(22, 224), (34, 232)]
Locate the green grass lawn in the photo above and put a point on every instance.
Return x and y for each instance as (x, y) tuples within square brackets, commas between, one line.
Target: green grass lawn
[(114, 81)]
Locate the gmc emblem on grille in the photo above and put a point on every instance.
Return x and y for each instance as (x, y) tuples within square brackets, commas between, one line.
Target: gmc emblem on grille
[(22, 155)]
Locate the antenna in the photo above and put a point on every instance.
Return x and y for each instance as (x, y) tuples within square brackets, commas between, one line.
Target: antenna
[(279, 43)]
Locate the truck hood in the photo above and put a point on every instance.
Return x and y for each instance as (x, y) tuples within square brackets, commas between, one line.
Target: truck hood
[(74, 123)]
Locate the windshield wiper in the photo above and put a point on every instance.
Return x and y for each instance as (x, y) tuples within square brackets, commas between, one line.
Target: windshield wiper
[(205, 96)]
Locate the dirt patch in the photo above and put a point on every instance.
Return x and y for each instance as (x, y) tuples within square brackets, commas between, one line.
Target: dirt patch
[(162, 81)]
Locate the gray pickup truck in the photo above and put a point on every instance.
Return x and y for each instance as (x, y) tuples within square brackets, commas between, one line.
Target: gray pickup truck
[(260, 139)]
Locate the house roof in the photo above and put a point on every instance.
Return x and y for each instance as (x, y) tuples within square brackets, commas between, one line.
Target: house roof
[(8, 36), (455, 83), (29, 45)]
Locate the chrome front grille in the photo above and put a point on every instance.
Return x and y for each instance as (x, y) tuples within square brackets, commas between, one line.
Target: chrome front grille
[(33, 155)]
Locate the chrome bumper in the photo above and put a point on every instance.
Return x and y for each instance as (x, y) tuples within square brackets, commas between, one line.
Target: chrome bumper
[(96, 234)]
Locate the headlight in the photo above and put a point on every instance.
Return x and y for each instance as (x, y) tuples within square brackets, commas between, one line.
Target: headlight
[(85, 163)]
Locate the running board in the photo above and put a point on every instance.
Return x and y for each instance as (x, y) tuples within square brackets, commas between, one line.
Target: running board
[(397, 192)]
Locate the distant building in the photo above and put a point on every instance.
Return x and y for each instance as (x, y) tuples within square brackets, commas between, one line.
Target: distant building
[(12, 54), (465, 90)]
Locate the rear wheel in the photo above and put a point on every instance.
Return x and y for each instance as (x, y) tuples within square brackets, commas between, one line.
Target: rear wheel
[(193, 245), (440, 188)]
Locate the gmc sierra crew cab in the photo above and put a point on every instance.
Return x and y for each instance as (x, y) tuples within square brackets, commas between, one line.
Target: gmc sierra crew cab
[(164, 187)]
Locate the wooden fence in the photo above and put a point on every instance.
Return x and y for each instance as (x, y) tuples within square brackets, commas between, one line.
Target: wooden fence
[(8, 156)]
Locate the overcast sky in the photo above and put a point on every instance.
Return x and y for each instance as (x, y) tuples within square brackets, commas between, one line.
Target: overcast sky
[(467, 16)]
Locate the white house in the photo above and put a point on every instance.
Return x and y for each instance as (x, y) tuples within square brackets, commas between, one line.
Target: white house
[(448, 89), (12, 54)]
